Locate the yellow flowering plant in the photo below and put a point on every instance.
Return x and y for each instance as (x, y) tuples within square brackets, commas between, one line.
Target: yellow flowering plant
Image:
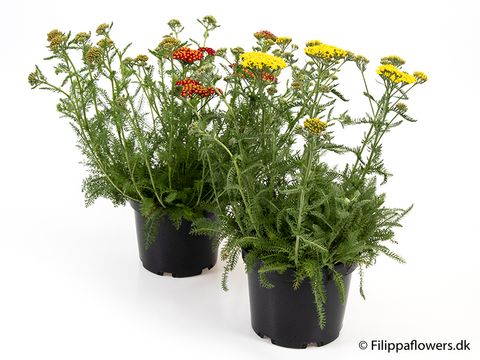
[(290, 208)]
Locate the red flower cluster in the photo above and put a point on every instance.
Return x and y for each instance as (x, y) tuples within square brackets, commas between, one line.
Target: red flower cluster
[(208, 50), (192, 87), (247, 73), (188, 55), (265, 34), (268, 77)]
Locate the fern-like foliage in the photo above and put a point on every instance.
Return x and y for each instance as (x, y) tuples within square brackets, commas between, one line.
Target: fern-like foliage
[(293, 209), (133, 122)]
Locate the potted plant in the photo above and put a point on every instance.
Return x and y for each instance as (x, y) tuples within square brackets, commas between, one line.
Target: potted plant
[(133, 122), (302, 222)]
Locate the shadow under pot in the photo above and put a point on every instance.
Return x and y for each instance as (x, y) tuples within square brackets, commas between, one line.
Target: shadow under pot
[(289, 317), (174, 251)]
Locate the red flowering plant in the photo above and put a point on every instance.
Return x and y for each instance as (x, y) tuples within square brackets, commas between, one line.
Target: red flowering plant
[(133, 119)]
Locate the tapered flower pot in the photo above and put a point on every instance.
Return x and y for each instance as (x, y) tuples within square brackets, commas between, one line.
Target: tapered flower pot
[(289, 317), (176, 252)]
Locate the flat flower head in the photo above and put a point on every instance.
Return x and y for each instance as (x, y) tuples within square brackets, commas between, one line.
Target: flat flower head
[(283, 40), (210, 20), (313, 43), (420, 76), (105, 43), (192, 87), (361, 62), (236, 51), (326, 52), (315, 126), (187, 55), (392, 73), (401, 108), (175, 24), (208, 50), (221, 52), (141, 60), (260, 60), (266, 76), (56, 42), (168, 43), (102, 29), (296, 84), (53, 34), (81, 37), (248, 74), (265, 35), (93, 55), (392, 60), (408, 79)]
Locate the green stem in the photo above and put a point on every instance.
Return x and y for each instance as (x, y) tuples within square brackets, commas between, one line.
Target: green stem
[(379, 135), (370, 130), (301, 201), (83, 117), (119, 128), (141, 140), (239, 181), (378, 131), (170, 132)]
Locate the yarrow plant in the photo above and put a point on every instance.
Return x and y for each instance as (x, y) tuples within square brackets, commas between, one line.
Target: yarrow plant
[(292, 209), (132, 119), (251, 148)]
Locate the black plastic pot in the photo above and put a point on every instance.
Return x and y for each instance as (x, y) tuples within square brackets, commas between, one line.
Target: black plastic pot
[(289, 317), (176, 252)]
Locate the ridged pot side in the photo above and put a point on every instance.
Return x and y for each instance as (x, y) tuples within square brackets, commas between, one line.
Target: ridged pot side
[(174, 251), (289, 317)]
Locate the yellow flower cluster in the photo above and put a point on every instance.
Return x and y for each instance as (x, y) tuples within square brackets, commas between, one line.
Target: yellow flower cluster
[(392, 60), (53, 34), (56, 38), (420, 76), (168, 42), (283, 40), (394, 74), (315, 125), (141, 60), (93, 55), (401, 107), (102, 29), (105, 42), (326, 52), (56, 42), (313, 43), (296, 84), (260, 60), (81, 37)]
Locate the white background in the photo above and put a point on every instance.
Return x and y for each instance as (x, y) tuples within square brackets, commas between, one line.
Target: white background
[(71, 284)]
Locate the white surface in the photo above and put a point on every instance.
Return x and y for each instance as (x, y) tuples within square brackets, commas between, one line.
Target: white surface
[(71, 285)]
